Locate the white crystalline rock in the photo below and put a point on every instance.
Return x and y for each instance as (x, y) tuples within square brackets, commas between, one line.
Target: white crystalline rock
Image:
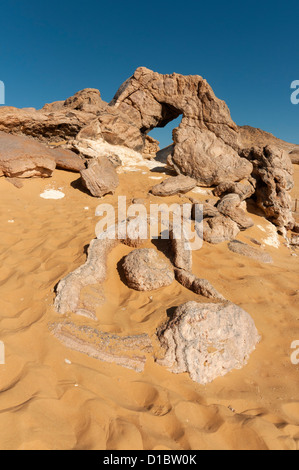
[(52, 194)]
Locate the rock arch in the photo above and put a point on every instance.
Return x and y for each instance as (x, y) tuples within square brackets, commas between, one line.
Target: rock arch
[(206, 141)]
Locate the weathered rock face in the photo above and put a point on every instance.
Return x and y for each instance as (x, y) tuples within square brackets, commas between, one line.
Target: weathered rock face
[(206, 141), (230, 205), (208, 209), (145, 270), (273, 172), (100, 177), (207, 340), (244, 189), (112, 127), (174, 185), (151, 147), (88, 100), (55, 122), (23, 157), (205, 157), (246, 250)]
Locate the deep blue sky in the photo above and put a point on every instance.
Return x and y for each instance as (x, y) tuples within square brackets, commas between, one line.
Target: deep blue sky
[(248, 51)]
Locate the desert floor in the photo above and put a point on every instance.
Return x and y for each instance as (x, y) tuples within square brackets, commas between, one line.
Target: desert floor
[(56, 398)]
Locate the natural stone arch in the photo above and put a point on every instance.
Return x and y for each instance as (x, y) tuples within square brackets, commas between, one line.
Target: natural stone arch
[(206, 141)]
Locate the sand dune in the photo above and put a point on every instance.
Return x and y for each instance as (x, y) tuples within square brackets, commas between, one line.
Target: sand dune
[(55, 398)]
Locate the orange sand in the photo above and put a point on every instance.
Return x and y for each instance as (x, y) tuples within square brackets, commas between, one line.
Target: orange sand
[(47, 402)]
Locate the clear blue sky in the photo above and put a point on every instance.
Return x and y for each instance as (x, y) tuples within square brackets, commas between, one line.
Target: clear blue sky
[(248, 51)]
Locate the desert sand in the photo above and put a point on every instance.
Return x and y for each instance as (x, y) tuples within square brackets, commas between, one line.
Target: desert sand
[(56, 398)]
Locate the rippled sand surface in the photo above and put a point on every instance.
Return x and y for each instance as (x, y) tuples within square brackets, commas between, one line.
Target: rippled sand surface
[(54, 398)]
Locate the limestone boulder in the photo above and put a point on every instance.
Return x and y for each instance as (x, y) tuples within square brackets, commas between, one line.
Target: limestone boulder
[(100, 178), (145, 269), (207, 340), (219, 229)]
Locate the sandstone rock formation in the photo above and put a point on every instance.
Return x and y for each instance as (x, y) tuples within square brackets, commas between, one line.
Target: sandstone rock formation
[(246, 250), (145, 270), (294, 156), (55, 122), (174, 185), (23, 157), (125, 351), (207, 340), (208, 146), (273, 172), (205, 143), (100, 177), (163, 154)]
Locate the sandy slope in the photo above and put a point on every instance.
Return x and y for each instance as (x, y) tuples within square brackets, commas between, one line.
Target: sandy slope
[(55, 398)]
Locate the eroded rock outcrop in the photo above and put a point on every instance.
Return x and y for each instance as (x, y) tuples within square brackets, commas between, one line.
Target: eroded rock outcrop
[(197, 285), (252, 136), (151, 148), (229, 205), (207, 140), (55, 122), (245, 189), (23, 157), (207, 340), (273, 173)]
